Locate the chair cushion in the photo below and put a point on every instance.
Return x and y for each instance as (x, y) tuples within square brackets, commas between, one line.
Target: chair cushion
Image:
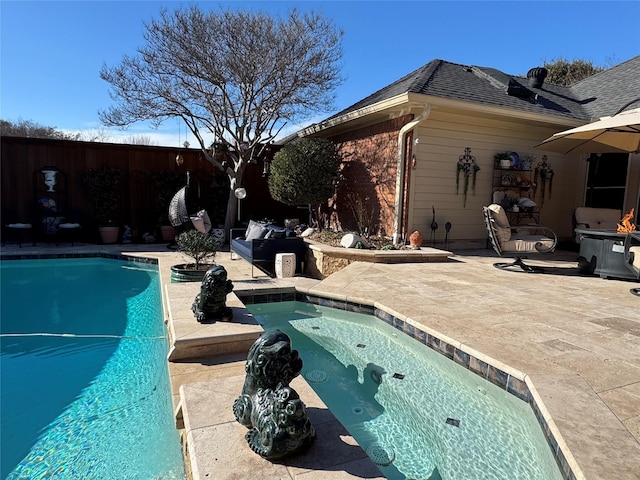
[(201, 221), (597, 218), (527, 243), (636, 257), (501, 222)]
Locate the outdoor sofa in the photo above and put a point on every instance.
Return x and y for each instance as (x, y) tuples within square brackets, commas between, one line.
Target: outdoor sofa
[(259, 243)]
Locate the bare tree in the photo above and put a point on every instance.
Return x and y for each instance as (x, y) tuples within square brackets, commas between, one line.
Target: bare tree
[(29, 128), (139, 140), (235, 78)]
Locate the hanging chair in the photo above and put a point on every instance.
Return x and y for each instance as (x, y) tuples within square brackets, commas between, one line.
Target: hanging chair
[(178, 212), (180, 206)]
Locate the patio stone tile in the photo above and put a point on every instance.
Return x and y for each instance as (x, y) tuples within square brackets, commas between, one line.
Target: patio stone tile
[(611, 344), (624, 401), (633, 425), (600, 443), (602, 373), (356, 469), (215, 451), (620, 324)]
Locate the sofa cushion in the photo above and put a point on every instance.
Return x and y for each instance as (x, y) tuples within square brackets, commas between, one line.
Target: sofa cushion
[(275, 232), (255, 231)]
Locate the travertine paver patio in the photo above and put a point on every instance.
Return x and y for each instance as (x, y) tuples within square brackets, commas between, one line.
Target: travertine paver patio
[(576, 337)]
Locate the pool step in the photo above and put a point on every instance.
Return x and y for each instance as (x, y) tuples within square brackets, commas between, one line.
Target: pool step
[(191, 339)]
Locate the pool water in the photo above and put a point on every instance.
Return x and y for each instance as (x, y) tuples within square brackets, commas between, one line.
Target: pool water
[(85, 385), (416, 413)]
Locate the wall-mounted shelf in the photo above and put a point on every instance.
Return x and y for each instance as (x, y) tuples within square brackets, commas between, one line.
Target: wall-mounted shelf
[(520, 182)]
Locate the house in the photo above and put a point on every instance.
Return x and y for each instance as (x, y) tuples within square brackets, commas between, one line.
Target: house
[(402, 145)]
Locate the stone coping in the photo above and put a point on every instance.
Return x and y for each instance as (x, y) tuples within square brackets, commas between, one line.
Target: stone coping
[(424, 254)]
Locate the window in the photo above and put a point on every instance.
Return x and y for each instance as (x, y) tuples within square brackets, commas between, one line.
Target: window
[(606, 180)]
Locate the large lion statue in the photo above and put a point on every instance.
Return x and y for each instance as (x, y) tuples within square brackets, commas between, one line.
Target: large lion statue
[(211, 303), (276, 417)]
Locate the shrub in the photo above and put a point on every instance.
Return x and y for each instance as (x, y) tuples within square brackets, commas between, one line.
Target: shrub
[(305, 171), (201, 247)]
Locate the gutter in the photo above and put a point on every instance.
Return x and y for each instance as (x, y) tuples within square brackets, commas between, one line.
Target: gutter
[(400, 172)]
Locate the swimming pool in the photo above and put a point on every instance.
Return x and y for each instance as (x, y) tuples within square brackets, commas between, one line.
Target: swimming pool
[(85, 384), (416, 413)]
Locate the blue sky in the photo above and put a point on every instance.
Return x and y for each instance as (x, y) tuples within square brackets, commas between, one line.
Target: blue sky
[(52, 51)]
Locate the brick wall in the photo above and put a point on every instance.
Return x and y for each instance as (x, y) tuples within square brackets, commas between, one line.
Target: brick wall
[(367, 194)]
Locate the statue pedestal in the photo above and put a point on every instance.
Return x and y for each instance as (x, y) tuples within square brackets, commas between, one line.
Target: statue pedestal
[(285, 265)]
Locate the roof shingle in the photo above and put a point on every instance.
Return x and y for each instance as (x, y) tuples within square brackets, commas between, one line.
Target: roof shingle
[(595, 96)]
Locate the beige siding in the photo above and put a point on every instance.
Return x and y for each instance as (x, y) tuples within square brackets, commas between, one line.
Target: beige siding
[(442, 139)]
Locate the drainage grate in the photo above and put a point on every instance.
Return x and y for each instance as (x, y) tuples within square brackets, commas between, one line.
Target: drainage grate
[(453, 421), (315, 328), (399, 376), (361, 345), (380, 455)]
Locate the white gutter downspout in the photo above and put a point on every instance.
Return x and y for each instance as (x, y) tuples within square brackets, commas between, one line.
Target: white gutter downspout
[(399, 198)]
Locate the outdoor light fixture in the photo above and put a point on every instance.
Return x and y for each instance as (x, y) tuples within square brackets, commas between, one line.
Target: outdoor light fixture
[(267, 167), (240, 193)]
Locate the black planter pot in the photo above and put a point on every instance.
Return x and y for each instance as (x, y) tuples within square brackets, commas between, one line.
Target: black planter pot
[(187, 272)]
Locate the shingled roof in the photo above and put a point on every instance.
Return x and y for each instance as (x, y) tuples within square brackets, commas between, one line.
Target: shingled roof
[(611, 89), (595, 96)]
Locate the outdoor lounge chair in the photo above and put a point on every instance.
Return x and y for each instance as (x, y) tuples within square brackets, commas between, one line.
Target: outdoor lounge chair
[(632, 256), (518, 242)]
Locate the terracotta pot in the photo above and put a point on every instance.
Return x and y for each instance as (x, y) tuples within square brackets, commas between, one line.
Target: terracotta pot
[(416, 239), (109, 234)]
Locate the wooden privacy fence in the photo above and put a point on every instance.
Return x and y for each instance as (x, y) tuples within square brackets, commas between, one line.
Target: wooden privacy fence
[(23, 159)]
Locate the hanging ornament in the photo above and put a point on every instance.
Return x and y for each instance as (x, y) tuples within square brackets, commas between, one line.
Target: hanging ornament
[(468, 166)]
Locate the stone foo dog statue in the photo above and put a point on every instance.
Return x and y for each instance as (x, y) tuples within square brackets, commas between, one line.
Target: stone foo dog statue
[(211, 303), (273, 412)]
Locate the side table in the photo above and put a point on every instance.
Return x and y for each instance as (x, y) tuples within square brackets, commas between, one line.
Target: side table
[(21, 233)]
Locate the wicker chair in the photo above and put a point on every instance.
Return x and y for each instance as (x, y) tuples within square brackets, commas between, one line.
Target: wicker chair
[(632, 256), (519, 242)]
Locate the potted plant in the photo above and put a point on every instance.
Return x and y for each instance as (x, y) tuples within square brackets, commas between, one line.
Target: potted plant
[(104, 188), (167, 183), (199, 247), (543, 174)]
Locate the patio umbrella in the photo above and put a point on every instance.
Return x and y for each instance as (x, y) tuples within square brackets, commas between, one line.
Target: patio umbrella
[(617, 134)]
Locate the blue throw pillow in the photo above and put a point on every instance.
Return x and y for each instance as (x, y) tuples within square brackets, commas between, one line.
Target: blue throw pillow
[(275, 232)]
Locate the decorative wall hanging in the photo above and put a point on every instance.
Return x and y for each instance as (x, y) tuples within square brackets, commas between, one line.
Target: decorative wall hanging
[(468, 166), (543, 174)]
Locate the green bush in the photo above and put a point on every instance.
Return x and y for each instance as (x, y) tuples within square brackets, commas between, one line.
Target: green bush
[(201, 247), (305, 171)]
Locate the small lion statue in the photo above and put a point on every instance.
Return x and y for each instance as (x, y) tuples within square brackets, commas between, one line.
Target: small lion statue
[(276, 417), (210, 304)]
